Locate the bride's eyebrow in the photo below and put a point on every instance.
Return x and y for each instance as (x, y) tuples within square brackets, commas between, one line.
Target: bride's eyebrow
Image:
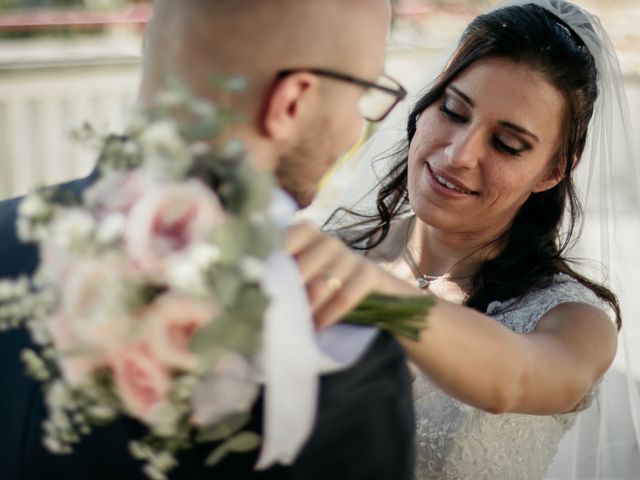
[(504, 123), (462, 95), (519, 129)]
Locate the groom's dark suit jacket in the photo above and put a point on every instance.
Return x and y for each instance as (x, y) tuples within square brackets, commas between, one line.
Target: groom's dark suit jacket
[(364, 428)]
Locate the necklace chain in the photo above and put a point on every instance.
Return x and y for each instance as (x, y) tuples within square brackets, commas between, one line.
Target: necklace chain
[(423, 281)]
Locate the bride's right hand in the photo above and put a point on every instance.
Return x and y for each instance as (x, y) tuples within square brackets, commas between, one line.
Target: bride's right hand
[(337, 278)]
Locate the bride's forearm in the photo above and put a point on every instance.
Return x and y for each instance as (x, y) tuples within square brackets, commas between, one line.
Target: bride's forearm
[(468, 354), (472, 357)]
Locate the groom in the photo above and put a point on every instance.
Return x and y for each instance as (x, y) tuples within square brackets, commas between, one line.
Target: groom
[(308, 64)]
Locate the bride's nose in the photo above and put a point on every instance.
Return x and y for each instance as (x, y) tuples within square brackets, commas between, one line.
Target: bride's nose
[(466, 149)]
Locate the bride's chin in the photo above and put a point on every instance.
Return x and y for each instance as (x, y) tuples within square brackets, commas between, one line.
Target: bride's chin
[(434, 222), (432, 215)]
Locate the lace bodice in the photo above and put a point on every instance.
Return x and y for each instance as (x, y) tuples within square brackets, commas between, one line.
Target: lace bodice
[(457, 441)]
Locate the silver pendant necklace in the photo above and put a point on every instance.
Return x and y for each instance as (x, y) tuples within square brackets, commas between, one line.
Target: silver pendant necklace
[(423, 281)]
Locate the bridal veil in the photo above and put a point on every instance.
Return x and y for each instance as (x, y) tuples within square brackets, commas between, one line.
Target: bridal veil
[(605, 442)]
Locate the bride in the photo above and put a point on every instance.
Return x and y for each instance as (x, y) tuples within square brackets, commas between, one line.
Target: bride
[(477, 206)]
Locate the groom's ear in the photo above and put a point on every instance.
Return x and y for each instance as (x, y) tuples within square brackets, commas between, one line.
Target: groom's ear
[(289, 101)]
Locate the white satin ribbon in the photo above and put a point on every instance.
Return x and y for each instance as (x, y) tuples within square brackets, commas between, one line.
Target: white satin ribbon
[(292, 363), (294, 356), (344, 343)]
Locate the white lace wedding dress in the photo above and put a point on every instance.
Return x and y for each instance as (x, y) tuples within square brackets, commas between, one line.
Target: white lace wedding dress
[(457, 441)]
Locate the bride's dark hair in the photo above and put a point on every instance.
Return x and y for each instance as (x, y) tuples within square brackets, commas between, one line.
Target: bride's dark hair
[(534, 247)]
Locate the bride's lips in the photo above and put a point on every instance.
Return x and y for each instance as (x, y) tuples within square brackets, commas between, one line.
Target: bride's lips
[(447, 185)]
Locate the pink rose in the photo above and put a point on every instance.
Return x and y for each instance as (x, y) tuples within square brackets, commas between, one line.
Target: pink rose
[(171, 322), (142, 383), (56, 264), (95, 301), (231, 387), (166, 221), (76, 365), (117, 192)]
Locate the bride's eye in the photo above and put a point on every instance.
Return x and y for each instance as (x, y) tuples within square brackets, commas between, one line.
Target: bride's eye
[(509, 148), (449, 111)]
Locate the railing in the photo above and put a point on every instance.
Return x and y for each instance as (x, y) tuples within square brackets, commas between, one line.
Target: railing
[(39, 107), (73, 19), (48, 87)]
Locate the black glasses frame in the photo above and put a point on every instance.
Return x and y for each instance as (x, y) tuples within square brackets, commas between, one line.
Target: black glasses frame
[(400, 93)]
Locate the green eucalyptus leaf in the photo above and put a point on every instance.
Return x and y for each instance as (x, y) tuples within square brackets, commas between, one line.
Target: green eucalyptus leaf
[(227, 283), (209, 338), (232, 237), (206, 347), (237, 83), (203, 130), (231, 332), (217, 455), (252, 303), (245, 190), (230, 117), (271, 238), (229, 82), (241, 337), (224, 428), (175, 84), (234, 148), (258, 190), (243, 442)]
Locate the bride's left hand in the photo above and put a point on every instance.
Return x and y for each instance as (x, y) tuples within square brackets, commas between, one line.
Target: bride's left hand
[(337, 278)]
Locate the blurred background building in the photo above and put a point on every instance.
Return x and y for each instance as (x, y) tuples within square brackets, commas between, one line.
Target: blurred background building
[(66, 62), (62, 63)]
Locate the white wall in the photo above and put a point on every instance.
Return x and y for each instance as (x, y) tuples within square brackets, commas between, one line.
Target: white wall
[(40, 104)]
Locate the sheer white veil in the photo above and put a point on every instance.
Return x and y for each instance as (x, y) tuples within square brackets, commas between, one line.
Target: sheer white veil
[(605, 442)]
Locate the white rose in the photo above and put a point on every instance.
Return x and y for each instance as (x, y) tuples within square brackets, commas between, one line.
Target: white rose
[(111, 228), (230, 388), (164, 149), (34, 206), (116, 192), (72, 229), (252, 268), (188, 273)]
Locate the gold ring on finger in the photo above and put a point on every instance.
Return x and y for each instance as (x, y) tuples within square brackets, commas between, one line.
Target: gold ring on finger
[(333, 282)]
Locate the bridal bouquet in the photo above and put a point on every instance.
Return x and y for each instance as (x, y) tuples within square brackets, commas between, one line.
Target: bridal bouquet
[(148, 299)]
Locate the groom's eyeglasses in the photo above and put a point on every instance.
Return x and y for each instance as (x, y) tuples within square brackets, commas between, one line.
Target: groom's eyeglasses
[(377, 101)]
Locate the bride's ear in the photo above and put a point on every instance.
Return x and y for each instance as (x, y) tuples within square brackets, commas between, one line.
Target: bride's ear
[(288, 102), (554, 177)]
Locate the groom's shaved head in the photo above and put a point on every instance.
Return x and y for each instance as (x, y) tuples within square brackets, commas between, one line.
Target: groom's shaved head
[(295, 125), (256, 38)]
